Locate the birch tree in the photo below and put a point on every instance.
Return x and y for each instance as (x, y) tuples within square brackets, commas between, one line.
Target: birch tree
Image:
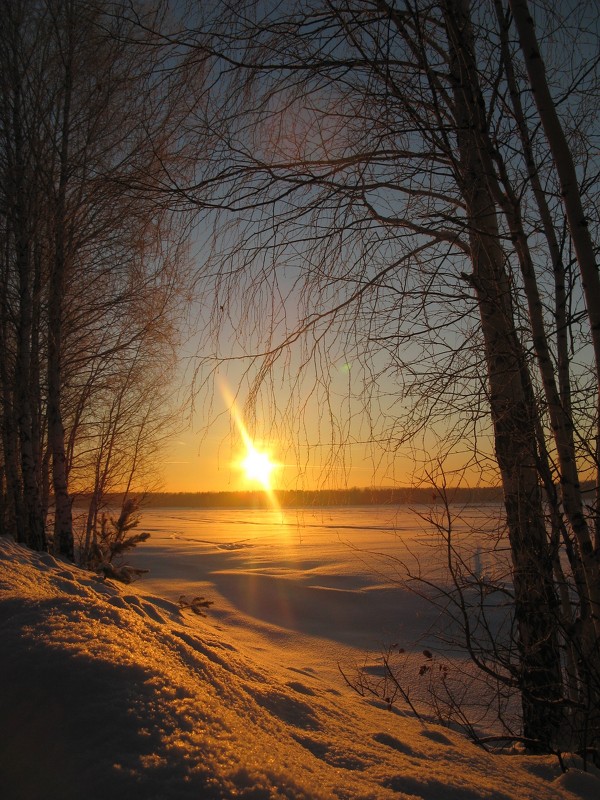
[(379, 169), (86, 114)]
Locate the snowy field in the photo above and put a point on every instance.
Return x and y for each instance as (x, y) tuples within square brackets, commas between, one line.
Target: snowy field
[(115, 692), (317, 585)]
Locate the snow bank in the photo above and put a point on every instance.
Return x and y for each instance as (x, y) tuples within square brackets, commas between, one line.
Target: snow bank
[(109, 693)]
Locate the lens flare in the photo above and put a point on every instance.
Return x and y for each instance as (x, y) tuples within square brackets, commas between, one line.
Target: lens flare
[(256, 465)]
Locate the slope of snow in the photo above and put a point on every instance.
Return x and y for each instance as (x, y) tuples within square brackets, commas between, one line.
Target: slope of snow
[(110, 693)]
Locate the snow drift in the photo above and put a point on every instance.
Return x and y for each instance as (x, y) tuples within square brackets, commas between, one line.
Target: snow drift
[(110, 693)]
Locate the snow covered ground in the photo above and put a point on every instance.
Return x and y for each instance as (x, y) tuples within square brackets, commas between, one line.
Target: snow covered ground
[(115, 692)]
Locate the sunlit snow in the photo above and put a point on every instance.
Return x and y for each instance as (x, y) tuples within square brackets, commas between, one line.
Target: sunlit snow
[(117, 692)]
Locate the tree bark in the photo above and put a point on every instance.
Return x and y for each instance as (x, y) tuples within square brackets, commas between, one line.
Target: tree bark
[(571, 197), (512, 415), (29, 516), (63, 521)]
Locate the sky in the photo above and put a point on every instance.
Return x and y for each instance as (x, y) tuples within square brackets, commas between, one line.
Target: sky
[(326, 442), (209, 448), (207, 454), (209, 459), (199, 461), (318, 442)]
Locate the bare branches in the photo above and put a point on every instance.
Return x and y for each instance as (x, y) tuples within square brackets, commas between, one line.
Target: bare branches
[(94, 269), (388, 201)]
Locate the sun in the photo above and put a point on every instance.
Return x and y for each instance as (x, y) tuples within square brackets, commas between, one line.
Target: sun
[(258, 467)]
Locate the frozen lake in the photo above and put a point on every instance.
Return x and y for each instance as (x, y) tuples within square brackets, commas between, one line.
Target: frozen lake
[(321, 585)]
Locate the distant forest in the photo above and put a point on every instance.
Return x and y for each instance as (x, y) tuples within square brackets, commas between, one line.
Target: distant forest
[(318, 498)]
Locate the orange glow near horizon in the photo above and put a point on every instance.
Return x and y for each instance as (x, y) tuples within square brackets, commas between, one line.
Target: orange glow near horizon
[(257, 465)]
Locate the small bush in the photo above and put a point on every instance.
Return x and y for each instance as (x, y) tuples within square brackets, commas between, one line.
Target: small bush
[(114, 539)]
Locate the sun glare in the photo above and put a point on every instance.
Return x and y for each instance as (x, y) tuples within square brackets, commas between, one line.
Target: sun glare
[(258, 467)]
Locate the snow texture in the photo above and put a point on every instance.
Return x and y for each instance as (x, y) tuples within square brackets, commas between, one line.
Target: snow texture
[(108, 692)]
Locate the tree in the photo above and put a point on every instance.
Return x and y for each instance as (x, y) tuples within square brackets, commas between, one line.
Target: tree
[(378, 164), (22, 56), (86, 114)]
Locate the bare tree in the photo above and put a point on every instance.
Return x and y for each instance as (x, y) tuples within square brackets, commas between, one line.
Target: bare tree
[(383, 195), (87, 115), (23, 115)]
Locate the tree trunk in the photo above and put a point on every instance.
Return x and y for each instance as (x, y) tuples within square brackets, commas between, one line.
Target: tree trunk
[(10, 446), (35, 535), (63, 518), (570, 193), (513, 417), (31, 514)]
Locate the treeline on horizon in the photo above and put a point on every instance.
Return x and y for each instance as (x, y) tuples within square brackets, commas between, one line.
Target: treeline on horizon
[(318, 498)]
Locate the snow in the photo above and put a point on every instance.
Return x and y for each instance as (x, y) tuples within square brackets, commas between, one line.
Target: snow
[(116, 692)]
